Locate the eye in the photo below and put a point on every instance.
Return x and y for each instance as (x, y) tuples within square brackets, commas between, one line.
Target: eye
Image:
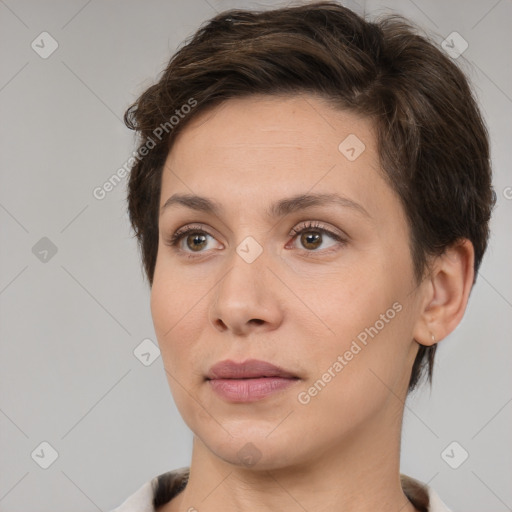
[(190, 239), (311, 236)]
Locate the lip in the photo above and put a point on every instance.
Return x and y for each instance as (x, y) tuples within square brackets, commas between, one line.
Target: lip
[(250, 369), (248, 381)]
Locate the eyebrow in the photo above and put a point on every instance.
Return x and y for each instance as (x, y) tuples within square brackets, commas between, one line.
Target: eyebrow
[(278, 209)]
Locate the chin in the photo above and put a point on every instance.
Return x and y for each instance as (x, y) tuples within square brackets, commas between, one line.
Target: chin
[(253, 448)]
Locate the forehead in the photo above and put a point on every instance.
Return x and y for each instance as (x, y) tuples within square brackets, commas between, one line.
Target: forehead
[(283, 141), (248, 155), (275, 122)]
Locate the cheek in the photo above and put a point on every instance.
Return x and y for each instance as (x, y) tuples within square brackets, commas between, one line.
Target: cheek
[(171, 298), (168, 310), (178, 309), (171, 323), (354, 299), (163, 305), (367, 348), (369, 375)]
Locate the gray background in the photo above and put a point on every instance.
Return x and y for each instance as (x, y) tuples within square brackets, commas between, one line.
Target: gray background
[(70, 321)]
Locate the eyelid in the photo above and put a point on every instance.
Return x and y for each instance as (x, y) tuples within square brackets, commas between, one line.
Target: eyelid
[(337, 235), (334, 233), (319, 226), (178, 235)]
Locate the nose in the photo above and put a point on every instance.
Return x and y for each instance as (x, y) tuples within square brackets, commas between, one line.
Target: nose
[(246, 299)]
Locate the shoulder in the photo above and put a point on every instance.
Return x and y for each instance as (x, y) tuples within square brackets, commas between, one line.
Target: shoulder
[(422, 496), (155, 492)]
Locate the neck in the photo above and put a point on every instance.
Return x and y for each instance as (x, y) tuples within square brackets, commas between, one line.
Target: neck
[(362, 474)]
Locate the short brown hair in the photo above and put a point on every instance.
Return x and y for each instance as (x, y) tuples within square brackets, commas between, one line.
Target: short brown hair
[(432, 141)]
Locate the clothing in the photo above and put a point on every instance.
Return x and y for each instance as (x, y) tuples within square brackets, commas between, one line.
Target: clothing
[(422, 496)]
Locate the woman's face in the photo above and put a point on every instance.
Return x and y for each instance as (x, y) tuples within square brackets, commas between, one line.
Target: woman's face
[(305, 264)]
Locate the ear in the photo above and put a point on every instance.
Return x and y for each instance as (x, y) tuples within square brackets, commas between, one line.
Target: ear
[(447, 292)]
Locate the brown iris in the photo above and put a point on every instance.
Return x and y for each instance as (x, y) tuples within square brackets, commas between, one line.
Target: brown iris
[(310, 239), (198, 241)]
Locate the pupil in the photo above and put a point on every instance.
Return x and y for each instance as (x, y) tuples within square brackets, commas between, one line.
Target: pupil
[(311, 238), (201, 239)]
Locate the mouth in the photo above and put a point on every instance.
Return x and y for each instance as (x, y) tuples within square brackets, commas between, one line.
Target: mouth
[(251, 369), (248, 381)]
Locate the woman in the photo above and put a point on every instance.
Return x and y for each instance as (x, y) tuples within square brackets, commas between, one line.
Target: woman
[(311, 195)]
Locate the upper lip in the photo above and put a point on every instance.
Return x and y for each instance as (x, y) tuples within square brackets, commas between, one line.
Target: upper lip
[(250, 369)]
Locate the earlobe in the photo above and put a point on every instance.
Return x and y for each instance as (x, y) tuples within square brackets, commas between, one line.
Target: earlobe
[(449, 286)]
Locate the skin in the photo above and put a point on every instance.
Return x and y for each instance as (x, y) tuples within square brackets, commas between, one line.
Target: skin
[(298, 305)]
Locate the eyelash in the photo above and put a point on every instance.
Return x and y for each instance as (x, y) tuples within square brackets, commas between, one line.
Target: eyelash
[(176, 237)]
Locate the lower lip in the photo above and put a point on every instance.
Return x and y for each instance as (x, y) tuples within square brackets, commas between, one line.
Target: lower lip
[(249, 390)]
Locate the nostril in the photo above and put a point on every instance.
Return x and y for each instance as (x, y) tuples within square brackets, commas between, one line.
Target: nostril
[(221, 324), (258, 321)]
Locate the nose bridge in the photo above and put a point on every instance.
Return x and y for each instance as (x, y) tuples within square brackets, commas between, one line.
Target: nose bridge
[(243, 294), (246, 276)]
